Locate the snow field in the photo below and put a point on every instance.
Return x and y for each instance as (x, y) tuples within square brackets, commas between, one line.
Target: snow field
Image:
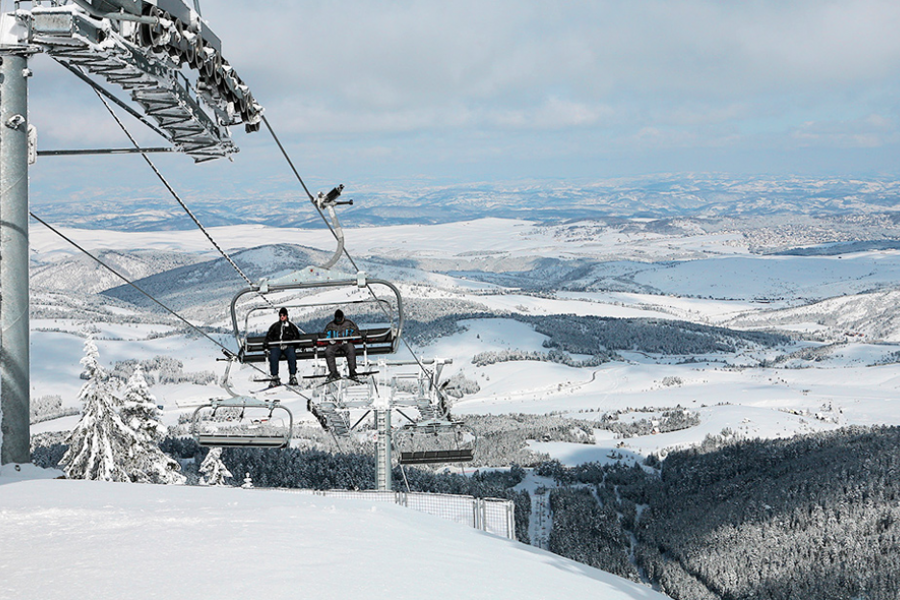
[(87, 539)]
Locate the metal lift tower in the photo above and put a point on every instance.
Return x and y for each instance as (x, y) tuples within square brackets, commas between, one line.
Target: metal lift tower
[(145, 47)]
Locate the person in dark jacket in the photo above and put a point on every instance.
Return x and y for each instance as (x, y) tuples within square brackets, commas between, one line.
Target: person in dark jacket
[(340, 327), (280, 332)]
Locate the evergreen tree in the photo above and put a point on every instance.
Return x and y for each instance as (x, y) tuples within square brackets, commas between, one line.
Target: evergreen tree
[(95, 443), (95, 374), (103, 446), (139, 409), (101, 438), (147, 464), (214, 470)]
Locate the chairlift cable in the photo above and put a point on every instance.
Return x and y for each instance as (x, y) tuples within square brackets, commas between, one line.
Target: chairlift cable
[(126, 280), (287, 157)]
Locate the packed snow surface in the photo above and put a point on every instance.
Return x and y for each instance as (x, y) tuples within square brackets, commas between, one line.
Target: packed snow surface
[(64, 539)]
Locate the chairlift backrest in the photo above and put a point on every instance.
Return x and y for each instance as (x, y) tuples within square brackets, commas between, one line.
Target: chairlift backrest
[(435, 441)]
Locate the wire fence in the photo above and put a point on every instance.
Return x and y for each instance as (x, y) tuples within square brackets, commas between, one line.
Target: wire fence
[(493, 515)]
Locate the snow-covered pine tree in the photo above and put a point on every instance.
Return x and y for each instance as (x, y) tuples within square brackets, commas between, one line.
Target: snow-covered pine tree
[(93, 370), (213, 469), (147, 464), (102, 446), (101, 439), (139, 409)]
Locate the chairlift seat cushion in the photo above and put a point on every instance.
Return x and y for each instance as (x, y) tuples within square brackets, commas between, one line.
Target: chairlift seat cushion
[(242, 441)]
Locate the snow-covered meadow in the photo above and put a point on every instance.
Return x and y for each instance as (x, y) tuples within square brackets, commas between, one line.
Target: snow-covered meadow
[(720, 283)]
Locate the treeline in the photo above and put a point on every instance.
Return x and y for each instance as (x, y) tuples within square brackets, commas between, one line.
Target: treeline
[(503, 439), (47, 408), (590, 334), (588, 530), (484, 359), (812, 517), (161, 369), (815, 516), (670, 420)]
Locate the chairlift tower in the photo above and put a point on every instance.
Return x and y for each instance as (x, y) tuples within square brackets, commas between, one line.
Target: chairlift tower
[(145, 48)]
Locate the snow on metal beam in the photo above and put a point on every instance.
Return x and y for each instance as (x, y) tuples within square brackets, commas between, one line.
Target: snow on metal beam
[(141, 46)]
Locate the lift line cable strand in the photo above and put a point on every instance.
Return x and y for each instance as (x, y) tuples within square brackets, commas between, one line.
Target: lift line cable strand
[(333, 232), (227, 351), (286, 156), (173, 192)]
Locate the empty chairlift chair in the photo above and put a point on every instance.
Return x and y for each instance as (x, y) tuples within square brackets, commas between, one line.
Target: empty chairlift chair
[(435, 441), (242, 422)]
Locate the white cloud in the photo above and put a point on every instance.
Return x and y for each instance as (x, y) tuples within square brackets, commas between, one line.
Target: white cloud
[(872, 131), (565, 77)]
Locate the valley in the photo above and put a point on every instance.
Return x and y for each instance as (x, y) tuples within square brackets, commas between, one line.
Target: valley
[(756, 345)]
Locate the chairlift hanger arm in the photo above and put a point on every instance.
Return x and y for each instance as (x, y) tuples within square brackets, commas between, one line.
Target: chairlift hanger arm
[(328, 202)]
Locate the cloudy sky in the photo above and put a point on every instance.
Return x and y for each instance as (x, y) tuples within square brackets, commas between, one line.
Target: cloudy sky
[(459, 91)]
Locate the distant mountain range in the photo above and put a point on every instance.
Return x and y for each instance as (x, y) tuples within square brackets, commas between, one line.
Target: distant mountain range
[(656, 197)]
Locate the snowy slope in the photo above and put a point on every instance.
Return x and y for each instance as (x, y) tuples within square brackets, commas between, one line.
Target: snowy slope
[(764, 393), (871, 317), (84, 539), (80, 273), (775, 277)]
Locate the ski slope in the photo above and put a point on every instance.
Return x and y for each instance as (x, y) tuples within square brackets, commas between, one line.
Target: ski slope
[(63, 540)]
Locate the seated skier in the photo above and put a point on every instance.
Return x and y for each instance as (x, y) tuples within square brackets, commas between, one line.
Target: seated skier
[(282, 331), (340, 327)]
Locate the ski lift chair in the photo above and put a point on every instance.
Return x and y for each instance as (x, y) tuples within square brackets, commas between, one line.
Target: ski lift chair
[(435, 441), (370, 341), (242, 422)]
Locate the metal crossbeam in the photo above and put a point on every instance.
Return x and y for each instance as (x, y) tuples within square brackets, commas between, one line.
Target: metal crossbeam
[(146, 65)]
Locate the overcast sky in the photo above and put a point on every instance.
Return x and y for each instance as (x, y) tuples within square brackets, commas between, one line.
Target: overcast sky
[(458, 91)]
